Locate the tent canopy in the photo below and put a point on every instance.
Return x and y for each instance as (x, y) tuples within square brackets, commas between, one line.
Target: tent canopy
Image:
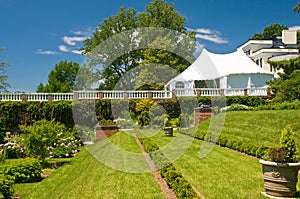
[(210, 66)]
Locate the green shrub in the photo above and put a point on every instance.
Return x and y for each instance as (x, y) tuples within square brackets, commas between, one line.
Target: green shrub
[(174, 122), (22, 170), (235, 107), (261, 151), (40, 136), (287, 141), (143, 118), (158, 121), (6, 187), (13, 149), (106, 122), (279, 106)]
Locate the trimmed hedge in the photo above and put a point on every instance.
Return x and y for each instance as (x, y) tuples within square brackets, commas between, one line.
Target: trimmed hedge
[(6, 187), (22, 170), (181, 187), (279, 106), (240, 145)]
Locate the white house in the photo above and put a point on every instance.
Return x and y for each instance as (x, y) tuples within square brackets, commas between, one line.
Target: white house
[(279, 48)]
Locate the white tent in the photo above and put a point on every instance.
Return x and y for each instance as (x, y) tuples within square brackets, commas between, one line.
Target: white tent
[(233, 70)]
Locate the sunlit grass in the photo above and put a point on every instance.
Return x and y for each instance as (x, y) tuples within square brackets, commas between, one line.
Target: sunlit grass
[(260, 127), (85, 177), (223, 173)]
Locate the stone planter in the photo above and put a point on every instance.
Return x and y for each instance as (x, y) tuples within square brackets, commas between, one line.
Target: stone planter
[(168, 131), (280, 179), (104, 131)]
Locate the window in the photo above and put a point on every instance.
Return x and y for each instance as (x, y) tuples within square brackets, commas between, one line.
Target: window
[(260, 62), (179, 85)]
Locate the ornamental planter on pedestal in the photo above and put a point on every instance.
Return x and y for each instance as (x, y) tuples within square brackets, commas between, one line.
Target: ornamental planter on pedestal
[(104, 131), (280, 179), (168, 131)]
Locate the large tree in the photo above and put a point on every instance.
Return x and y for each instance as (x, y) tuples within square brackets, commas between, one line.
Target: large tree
[(3, 78), (273, 30), (124, 20), (61, 79), (117, 60)]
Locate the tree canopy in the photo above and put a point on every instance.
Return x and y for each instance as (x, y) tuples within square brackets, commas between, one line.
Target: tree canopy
[(117, 59), (273, 30), (3, 78), (61, 79)]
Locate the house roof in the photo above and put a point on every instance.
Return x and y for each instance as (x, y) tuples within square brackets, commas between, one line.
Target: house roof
[(210, 66)]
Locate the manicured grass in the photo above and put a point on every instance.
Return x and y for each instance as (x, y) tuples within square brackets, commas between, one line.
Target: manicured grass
[(85, 177), (261, 127), (223, 173)]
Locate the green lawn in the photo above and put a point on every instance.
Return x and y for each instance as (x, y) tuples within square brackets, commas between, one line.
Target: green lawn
[(261, 127), (85, 177), (223, 173)]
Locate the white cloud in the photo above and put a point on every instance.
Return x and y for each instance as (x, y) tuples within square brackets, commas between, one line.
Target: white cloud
[(46, 52), (294, 28), (203, 30), (209, 35), (63, 48), (79, 52), (212, 38), (73, 43), (73, 40)]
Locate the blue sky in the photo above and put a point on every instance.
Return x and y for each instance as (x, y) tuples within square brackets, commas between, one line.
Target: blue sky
[(37, 34)]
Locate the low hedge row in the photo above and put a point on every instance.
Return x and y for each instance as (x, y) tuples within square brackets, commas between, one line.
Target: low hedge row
[(22, 170), (181, 187), (279, 106), (240, 145), (6, 187)]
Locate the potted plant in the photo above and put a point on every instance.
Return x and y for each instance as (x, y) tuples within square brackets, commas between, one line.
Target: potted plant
[(168, 129), (281, 167), (105, 128)]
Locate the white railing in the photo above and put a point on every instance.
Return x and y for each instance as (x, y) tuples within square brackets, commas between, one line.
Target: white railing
[(62, 96), (83, 95), (234, 92), (161, 94), (209, 92), (92, 95), (113, 95), (33, 97), (257, 91), (11, 96), (185, 92)]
